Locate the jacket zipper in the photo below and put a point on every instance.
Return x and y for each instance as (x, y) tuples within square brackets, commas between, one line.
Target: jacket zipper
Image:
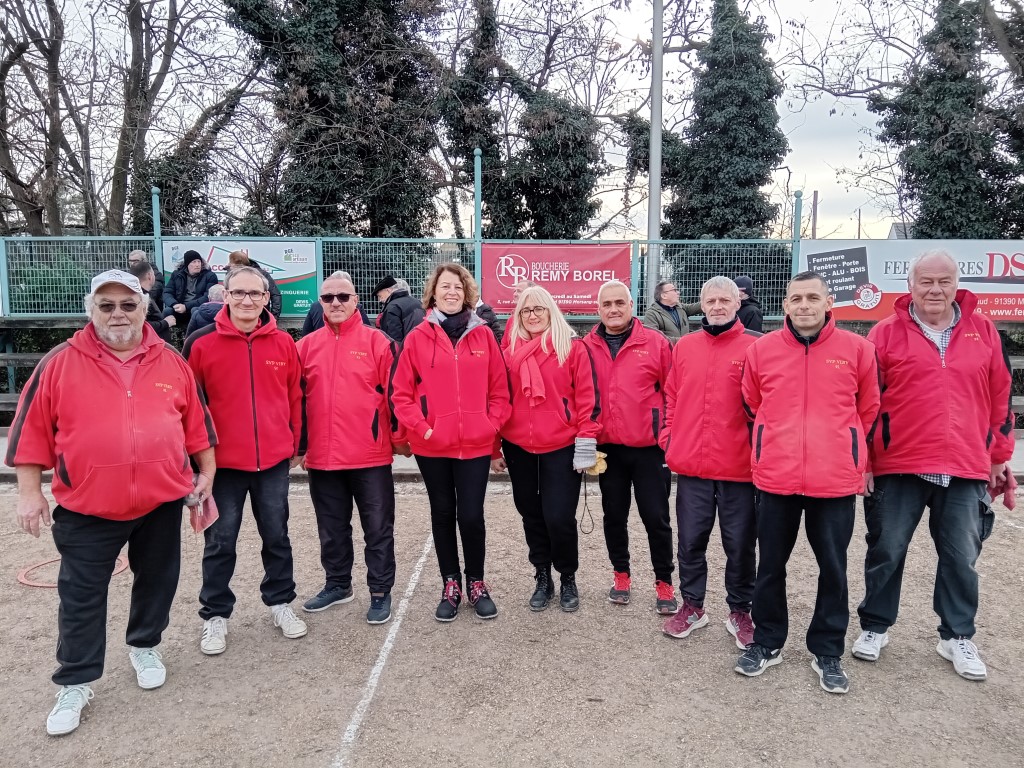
[(135, 452), (807, 393), (252, 389)]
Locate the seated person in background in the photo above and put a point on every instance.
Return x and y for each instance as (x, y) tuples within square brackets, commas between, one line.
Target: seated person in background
[(205, 313), (187, 287)]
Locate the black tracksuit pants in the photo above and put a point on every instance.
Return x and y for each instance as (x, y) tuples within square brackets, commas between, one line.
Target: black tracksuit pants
[(373, 491), (456, 489), (697, 501), (546, 491), (88, 548), (829, 526), (640, 472)]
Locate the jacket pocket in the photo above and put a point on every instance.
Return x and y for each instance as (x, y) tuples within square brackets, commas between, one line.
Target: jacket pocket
[(565, 405), (886, 437), (854, 448), (375, 425), (757, 446), (423, 405), (62, 471), (655, 422)]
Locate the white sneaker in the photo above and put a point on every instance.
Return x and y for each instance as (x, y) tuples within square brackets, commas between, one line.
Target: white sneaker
[(149, 670), (67, 712), (964, 655), (215, 636), (869, 645), (291, 625)]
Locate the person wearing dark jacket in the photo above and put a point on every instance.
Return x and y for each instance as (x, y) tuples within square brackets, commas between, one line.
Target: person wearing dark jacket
[(205, 314), (187, 287), (156, 293), (241, 259), (486, 313), (750, 313), (401, 312), (143, 270), (667, 315)]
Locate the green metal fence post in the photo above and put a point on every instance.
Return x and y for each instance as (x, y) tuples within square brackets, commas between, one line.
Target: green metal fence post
[(478, 227), (5, 287), (157, 242), (634, 271), (797, 219), (319, 262)]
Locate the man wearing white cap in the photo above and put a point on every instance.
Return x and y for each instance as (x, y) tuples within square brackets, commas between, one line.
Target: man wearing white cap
[(120, 476)]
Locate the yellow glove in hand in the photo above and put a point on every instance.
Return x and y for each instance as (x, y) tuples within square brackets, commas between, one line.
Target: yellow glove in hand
[(600, 466)]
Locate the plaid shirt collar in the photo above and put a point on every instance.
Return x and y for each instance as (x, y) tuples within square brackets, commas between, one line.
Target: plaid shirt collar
[(930, 332)]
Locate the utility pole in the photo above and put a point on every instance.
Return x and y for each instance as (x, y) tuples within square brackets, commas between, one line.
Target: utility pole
[(858, 223), (814, 215), (654, 172)]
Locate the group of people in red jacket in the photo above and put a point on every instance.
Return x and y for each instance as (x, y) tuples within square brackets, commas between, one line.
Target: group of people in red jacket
[(762, 431)]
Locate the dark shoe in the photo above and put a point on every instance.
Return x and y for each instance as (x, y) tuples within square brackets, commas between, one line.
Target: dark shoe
[(756, 659), (569, 599), (451, 596), (480, 599), (327, 597), (380, 609), (830, 674), (544, 591)]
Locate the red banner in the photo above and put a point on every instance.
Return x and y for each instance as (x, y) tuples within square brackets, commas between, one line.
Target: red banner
[(571, 272)]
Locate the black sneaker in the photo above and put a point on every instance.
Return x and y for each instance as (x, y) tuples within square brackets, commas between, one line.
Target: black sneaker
[(544, 590), (451, 596), (327, 597), (380, 609), (830, 674), (756, 659), (480, 599), (569, 599)]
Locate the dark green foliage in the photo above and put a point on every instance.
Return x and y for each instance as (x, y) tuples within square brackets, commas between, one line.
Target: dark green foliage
[(356, 96), (543, 186), (733, 143), (954, 173)]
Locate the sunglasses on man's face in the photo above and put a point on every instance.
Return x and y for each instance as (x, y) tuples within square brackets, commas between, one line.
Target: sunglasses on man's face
[(328, 298), (108, 308)]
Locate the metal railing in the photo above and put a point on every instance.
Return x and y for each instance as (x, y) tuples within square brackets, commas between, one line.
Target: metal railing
[(47, 276)]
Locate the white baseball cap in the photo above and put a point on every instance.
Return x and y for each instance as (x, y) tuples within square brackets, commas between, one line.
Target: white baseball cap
[(126, 279)]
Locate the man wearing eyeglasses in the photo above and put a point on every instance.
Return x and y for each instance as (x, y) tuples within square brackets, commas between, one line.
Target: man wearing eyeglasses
[(667, 315), (115, 413), (250, 372), (349, 437)]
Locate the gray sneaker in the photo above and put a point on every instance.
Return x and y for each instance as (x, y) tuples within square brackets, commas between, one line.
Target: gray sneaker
[(380, 609), (327, 597)]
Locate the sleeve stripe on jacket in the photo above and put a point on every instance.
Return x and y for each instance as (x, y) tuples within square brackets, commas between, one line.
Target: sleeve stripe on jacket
[(14, 435)]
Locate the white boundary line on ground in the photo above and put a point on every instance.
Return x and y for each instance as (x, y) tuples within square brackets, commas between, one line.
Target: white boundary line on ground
[(349, 737)]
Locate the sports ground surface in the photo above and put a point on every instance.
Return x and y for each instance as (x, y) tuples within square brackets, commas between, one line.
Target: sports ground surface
[(601, 687)]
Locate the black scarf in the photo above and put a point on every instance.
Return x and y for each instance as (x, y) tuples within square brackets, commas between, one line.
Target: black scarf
[(455, 325)]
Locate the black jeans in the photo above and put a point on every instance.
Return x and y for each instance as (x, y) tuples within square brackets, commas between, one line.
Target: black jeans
[(456, 489), (88, 548), (638, 471), (960, 518), (546, 491), (829, 527), (373, 490), (697, 501), (268, 494)]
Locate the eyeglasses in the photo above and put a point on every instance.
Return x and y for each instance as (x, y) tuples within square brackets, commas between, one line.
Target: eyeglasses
[(673, 289), (107, 307), (239, 295), (328, 298), (527, 311)]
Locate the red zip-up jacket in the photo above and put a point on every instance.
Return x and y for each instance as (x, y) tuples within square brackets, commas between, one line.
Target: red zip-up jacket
[(253, 388), (812, 403), (940, 417), (570, 408), (460, 393), (346, 377), (117, 453), (706, 432), (632, 386)]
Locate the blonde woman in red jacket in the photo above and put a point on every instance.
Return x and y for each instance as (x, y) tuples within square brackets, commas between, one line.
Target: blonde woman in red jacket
[(450, 393), (550, 438)]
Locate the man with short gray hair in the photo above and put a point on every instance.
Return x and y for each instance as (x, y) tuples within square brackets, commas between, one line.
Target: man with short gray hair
[(707, 444), (945, 434), (88, 412)]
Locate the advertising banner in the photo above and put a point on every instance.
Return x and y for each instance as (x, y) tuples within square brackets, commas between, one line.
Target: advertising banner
[(867, 276), (292, 264), (572, 272)]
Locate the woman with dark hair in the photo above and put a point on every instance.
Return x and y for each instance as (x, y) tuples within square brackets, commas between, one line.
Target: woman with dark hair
[(450, 392)]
